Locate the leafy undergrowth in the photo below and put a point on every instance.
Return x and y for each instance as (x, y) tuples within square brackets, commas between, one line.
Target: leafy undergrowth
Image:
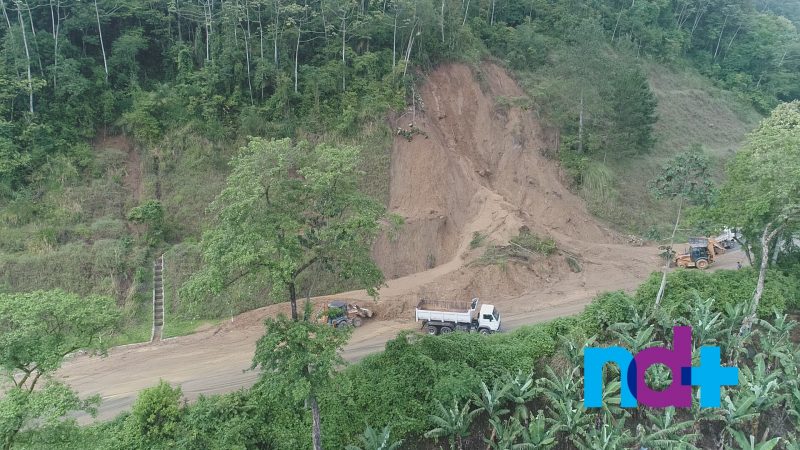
[(511, 388)]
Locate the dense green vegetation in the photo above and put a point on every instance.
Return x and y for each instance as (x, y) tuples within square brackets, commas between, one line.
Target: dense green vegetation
[(522, 386)]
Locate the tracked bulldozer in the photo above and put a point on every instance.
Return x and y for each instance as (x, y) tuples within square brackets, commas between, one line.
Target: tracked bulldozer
[(701, 253)]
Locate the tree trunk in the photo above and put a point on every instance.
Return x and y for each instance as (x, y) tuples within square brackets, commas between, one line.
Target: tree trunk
[(408, 50), (36, 41), (745, 248), (100, 32), (296, 57), (580, 127), (776, 250), (766, 238), (721, 32), (394, 42), (663, 285), (247, 50), (55, 17), (316, 432), (344, 63), (27, 57), (275, 37), (5, 14), (260, 32), (178, 21), (293, 300), (466, 12), (208, 17), (441, 22)]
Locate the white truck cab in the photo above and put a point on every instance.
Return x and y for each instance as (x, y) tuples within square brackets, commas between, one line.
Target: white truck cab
[(489, 318)]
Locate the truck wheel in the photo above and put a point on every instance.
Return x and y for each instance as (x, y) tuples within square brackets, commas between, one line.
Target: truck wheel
[(445, 330), (342, 325), (485, 331), (702, 264), (432, 330), (357, 322)]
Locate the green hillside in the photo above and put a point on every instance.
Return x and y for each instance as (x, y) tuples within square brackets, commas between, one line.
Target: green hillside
[(118, 119)]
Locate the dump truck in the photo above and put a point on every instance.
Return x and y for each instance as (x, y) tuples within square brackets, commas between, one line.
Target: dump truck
[(439, 317), (341, 314), (727, 238), (700, 254)]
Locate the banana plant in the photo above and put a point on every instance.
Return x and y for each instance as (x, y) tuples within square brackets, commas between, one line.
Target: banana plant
[(452, 423), (739, 412), (638, 321), (604, 437), (791, 443), (519, 390), (764, 386), (665, 432), (538, 434), (636, 340), (573, 349), (559, 387), (749, 443), (776, 339), (707, 324), (507, 434), (568, 417), (374, 440), (793, 401), (491, 402)]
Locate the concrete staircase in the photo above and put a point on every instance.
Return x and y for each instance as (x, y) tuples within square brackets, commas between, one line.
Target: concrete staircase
[(158, 299)]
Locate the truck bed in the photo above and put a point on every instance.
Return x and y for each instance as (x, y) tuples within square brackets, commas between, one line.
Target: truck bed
[(449, 306)]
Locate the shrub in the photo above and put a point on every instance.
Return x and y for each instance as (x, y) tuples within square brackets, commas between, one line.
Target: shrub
[(605, 310)]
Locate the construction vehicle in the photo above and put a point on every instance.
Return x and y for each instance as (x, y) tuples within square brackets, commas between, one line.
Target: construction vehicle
[(446, 317), (700, 254), (341, 314), (727, 238)]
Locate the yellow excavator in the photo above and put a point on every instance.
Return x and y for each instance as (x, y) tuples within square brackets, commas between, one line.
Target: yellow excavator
[(700, 254)]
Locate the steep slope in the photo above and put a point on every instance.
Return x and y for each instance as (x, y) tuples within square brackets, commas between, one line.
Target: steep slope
[(480, 168)]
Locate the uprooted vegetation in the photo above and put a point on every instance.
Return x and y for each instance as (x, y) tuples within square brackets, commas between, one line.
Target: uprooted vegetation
[(522, 248)]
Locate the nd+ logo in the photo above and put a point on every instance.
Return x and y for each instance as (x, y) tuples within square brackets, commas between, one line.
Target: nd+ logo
[(709, 376)]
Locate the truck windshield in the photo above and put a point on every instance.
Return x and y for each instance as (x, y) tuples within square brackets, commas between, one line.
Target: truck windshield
[(496, 314)]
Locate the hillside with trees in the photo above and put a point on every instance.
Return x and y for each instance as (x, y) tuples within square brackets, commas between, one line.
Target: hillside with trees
[(129, 129)]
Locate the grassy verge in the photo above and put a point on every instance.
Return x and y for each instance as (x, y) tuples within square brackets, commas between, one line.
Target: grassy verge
[(182, 327)]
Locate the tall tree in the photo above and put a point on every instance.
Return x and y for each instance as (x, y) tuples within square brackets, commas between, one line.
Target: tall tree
[(304, 355), (762, 193), (286, 208), (687, 178), (37, 330)]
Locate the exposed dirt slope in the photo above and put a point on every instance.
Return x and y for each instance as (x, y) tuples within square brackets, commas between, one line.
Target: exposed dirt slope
[(480, 169)]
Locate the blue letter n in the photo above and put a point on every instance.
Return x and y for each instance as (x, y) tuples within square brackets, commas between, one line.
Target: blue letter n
[(594, 359)]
